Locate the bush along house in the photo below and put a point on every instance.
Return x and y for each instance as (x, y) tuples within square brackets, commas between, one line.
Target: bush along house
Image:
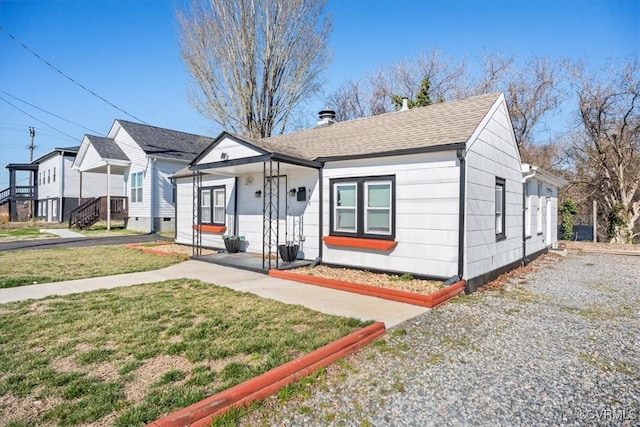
[(435, 191)]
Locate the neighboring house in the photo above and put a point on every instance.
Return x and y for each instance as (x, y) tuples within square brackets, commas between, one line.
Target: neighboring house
[(143, 158), (540, 209), (59, 185), (433, 191)]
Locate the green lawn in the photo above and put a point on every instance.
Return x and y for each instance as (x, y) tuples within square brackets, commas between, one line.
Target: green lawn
[(127, 356), (18, 268)]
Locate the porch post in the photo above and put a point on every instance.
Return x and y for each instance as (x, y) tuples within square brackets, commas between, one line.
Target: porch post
[(108, 196)]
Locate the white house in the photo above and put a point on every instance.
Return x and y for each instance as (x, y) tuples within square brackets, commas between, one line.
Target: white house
[(435, 192), (143, 157), (59, 185)]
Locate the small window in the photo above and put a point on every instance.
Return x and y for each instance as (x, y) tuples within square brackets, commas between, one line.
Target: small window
[(363, 207), (48, 176), (213, 205), (500, 209), (136, 187), (54, 174), (345, 207)]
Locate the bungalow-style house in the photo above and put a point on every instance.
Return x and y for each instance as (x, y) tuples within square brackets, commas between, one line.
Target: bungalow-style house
[(143, 157), (435, 191)]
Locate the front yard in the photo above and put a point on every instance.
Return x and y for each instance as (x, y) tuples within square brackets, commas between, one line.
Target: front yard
[(129, 355), (27, 267)]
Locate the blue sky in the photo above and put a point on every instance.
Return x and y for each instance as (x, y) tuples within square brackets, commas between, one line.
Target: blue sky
[(127, 52)]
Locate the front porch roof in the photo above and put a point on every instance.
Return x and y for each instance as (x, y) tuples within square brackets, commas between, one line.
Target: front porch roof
[(108, 154)]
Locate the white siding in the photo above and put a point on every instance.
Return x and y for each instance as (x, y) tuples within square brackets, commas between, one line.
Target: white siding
[(231, 148), (427, 189), (492, 154), (538, 241)]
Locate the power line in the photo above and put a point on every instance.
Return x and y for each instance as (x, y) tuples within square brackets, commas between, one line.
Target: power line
[(37, 119), (70, 78), (48, 112)]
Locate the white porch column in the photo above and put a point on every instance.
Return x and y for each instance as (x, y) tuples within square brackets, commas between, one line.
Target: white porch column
[(108, 196)]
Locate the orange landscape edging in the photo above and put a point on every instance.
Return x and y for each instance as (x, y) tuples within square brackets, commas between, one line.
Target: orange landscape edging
[(200, 414), (356, 242), (432, 300)]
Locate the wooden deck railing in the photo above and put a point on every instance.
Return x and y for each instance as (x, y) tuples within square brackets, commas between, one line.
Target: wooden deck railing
[(94, 210)]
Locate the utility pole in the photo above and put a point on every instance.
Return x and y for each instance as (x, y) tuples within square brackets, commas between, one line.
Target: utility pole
[(32, 134)]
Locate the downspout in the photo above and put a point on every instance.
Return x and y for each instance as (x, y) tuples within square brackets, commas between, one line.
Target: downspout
[(460, 154), (235, 207), (152, 198), (320, 195), (525, 261)]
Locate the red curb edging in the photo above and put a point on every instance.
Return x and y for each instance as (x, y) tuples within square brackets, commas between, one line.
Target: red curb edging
[(432, 300), (200, 414)]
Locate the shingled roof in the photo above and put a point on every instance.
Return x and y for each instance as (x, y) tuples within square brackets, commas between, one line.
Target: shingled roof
[(165, 142), (107, 148), (442, 124)]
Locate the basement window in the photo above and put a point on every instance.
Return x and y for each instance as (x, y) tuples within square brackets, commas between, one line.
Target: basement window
[(363, 207)]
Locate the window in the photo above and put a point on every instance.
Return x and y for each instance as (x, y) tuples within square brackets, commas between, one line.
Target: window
[(213, 205), (539, 212), (363, 207), (48, 176), (54, 174), (136, 187), (527, 211), (500, 209), (54, 209)]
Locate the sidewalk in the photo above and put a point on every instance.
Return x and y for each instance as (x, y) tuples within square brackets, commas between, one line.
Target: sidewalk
[(325, 300)]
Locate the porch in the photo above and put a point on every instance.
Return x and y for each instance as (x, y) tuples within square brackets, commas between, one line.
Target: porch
[(248, 261), (15, 195)]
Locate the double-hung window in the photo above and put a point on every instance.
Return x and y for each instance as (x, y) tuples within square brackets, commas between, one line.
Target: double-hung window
[(212, 205), (136, 187), (500, 209), (363, 207)]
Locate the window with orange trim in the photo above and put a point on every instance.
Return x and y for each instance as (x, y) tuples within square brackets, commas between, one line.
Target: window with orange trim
[(363, 207)]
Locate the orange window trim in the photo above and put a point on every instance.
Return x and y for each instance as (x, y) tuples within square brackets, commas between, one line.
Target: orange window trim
[(359, 243)]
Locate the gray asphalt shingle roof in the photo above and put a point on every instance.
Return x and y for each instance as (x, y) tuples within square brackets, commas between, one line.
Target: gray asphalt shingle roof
[(107, 148), (165, 142), (435, 125)]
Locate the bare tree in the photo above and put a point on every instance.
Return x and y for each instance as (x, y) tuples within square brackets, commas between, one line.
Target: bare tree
[(606, 153), (254, 62), (531, 93)]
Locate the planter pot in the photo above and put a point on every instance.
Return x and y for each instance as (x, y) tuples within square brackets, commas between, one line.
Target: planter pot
[(232, 245), (288, 253)]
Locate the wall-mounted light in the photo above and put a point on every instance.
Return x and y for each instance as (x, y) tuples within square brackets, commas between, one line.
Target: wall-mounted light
[(292, 192), (224, 156), (257, 194), (248, 180)]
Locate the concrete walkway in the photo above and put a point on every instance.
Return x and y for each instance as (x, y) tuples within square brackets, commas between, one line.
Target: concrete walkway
[(314, 297), (62, 232)]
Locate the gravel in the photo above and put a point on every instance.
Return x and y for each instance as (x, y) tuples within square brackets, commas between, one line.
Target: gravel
[(557, 344)]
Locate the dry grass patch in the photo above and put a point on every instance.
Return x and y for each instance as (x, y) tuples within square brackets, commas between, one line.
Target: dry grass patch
[(127, 356), (405, 282)]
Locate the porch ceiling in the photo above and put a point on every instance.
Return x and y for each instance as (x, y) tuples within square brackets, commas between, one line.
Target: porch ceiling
[(117, 168)]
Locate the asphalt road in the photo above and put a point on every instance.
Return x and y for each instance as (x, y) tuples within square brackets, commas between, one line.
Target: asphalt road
[(78, 242)]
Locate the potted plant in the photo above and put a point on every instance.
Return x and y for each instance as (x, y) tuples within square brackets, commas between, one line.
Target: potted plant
[(288, 252), (232, 243)]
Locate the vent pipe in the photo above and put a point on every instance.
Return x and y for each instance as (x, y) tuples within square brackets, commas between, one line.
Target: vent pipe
[(405, 104)]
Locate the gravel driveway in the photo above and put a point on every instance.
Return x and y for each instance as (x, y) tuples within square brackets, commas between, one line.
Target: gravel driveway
[(558, 345)]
